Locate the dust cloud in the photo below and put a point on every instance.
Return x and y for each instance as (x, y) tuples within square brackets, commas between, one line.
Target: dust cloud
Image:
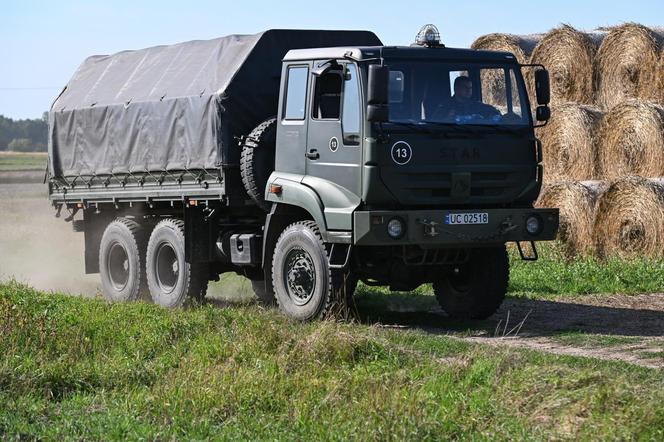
[(36, 247), (43, 251)]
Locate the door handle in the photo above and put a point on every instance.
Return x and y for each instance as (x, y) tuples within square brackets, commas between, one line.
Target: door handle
[(312, 154)]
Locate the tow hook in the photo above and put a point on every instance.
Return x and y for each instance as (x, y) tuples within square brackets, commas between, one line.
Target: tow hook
[(429, 227)]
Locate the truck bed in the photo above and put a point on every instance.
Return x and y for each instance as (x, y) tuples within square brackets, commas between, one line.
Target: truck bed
[(141, 187)]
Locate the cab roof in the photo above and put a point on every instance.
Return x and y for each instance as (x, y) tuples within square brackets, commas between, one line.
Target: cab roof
[(399, 52)]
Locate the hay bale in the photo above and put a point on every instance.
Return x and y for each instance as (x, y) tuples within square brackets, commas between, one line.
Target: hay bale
[(630, 219), (631, 141), (577, 202), (569, 142), (522, 46), (569, 55), (627, 63), (660, 77)]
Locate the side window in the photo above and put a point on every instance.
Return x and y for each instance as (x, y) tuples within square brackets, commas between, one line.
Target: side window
[(296, 91), (327, 96), (350, 121), (396, 87)]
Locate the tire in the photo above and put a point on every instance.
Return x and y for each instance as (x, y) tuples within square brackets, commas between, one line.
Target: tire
[(122, 261), (257, 161), (479, 288), (305, 287), (172, 281), (264, 295)]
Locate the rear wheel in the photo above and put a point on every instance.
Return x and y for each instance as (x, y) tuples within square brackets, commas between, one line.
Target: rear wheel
[(305, 286), (476, 289), (122, 261), (172, 281)]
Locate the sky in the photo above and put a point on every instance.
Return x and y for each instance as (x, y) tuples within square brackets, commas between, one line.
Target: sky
[(43, 42)]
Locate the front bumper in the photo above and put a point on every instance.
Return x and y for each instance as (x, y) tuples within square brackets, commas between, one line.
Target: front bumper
[(428, 227)]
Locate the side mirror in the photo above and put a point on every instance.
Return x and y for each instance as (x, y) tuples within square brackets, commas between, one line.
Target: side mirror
[(542, 113), (542, 87), (377, 94)]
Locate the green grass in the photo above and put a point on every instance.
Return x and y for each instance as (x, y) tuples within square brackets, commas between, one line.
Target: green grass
[(22, 161), (72, 368), (553, 275)]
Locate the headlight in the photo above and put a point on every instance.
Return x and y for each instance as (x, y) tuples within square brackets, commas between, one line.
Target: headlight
[(396, 228), (533, 224)]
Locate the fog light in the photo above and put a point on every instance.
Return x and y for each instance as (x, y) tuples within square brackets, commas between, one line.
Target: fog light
[(395, 228), (533, 224)]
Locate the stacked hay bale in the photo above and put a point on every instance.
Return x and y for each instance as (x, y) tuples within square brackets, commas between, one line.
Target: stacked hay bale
[(521, 46), (569, 55), (576, 201), (632, 141), (627, 63), (569, 142), (607, 124), (630, 219)]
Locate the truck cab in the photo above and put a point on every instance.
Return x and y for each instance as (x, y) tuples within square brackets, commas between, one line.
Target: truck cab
[(416, 164)]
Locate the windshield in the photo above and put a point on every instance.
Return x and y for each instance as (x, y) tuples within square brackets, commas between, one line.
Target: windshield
[(456, 93)]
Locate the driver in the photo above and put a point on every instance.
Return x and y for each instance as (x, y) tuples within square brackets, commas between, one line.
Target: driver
[(462, 102)]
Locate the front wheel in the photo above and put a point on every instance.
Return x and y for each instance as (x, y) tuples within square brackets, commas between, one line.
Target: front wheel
[(305, 286), (476, 289)]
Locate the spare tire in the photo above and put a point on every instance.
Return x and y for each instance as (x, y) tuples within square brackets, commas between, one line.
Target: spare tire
[(257, 161)]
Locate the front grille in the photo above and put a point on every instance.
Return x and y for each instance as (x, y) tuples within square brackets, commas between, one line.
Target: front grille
[(486, 186)]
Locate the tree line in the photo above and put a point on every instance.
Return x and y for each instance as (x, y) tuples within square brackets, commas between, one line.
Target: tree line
[(29, 135)]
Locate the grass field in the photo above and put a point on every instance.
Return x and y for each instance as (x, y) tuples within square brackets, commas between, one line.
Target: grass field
[(22, 161), (83, 369), (554, 275)]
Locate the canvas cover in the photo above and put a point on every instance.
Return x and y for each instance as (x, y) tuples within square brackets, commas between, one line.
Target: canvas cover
[(177, 107)]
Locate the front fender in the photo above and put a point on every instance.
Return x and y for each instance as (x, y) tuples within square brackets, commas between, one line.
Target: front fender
[(330, 205), (294, 193)]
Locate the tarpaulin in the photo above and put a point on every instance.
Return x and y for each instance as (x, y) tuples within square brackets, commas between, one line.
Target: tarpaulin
[(174, 107)]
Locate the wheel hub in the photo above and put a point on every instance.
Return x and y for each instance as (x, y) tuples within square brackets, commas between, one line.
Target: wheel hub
[(300, 276), (168, 268), (118, 266)]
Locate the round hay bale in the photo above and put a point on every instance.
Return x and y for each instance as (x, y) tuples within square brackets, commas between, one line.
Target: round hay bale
[(519, 45), (627, 64), (569, 55), (493, 82), (630, 219), (631, 141), (569, 142), (576, 201), (660, 77)]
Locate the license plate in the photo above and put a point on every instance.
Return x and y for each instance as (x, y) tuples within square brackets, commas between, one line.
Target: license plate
[(467, 218)]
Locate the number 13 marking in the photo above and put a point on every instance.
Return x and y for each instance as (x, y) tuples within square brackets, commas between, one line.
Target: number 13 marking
[(401, 152)]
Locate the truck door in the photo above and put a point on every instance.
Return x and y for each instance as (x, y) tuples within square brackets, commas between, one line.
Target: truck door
[(292, 130), (333, 149)]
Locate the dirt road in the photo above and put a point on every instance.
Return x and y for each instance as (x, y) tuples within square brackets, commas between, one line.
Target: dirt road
[(628, 328)]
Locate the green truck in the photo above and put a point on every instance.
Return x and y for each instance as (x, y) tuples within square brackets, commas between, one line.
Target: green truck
[(305, 161)]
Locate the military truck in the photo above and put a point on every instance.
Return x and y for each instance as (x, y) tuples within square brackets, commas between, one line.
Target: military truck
[(305, 161)]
